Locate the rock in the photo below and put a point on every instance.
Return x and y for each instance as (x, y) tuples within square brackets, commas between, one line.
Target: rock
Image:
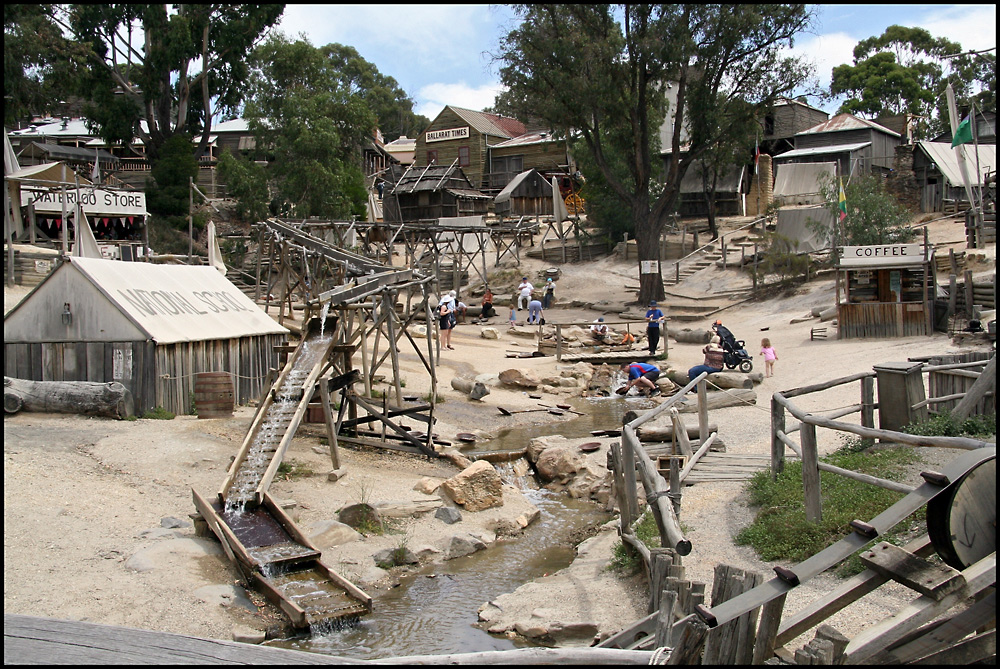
[(462, 545), (395, 557), (572, 633), (455, 457), (527, 332), (559, 463), (417, 331), (358, 515), (476, 488), (519, 377), (489, 333), (248, 635), (474, 389), (448, 514), (330, 533), (406, 509), (170, 522), (427, 485), (526, 519)]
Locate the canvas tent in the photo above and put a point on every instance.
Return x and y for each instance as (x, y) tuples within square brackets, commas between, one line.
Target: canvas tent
[(936, 167), (799, 183), (728, 192), (527, 194), (807, 228), (149, 327)]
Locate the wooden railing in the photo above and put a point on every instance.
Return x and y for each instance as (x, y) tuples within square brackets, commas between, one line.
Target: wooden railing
[(807, 448)]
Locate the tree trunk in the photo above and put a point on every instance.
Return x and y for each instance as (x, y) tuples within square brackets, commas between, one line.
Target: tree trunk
[(647, 244), (81, 397)]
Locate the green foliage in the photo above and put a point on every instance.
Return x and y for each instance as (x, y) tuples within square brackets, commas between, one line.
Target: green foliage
[(780, 530), (159, 413), (246, 182), (946, 425), (291, 469), (779, 257), (624, 559), (904, 70), (168, 192), (603, 74), (312, 124), (873, 215)]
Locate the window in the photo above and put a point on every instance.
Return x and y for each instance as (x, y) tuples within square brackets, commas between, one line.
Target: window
[(463, 156), (432, 157)]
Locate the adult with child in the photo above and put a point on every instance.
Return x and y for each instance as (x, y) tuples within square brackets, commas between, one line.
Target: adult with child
[(714, 360), (488, 311), (535, 315), (548, 293), (524, 291), (770, 356), (654, 317), (641, 374)]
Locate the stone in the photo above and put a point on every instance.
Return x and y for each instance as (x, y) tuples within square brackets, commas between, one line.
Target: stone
[(417, 331), (248, 635), (170, 522), (476, 488), (461, 545), (395, 557), (407, 509), (519, 377), (573, 633), (448, 514), (528, 518), (489, 333), (357, 515), (559, 463), (330, 533), (427, 485)]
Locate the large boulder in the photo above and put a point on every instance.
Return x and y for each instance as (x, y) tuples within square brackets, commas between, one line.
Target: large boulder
[(523, 378), (476, 488), (461, 545), (330, 533), (559, 463)]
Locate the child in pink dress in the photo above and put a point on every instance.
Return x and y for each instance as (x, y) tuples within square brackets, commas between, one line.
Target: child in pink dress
[(769, 354)]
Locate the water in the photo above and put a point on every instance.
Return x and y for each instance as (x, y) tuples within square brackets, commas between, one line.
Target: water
[(434, 610)]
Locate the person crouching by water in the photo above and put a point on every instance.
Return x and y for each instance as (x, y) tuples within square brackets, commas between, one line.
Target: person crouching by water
[(643, 375), (713, 360), (599, 330)]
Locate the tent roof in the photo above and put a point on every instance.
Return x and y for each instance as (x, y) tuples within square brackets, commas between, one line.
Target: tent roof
[(58, 151), (177, 303), (847, 122), (729, 181), (505, 194), (946, 160), (801, 178), (48, 172)]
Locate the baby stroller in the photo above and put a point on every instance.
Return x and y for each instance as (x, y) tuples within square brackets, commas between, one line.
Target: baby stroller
[(735, 350)]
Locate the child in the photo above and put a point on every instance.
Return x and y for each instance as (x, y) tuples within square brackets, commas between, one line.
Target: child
[(770, 356), (513, 317)]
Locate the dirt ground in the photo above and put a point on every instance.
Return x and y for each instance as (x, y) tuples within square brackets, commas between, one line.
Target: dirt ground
[(96, 511)]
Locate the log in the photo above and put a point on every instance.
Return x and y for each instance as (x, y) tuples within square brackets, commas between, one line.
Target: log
[(657, 434), (474, 389), (727, 398), (687, 336), (112, 400)]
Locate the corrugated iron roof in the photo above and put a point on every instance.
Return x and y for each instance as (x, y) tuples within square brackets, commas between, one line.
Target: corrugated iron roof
[(846, 122), (822, 150), (946, 160), (540, 137), (490, 124), (177, 303)]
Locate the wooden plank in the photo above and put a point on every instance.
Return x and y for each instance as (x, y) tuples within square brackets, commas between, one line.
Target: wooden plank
[(916, 573), (34, 640), (970, 651)]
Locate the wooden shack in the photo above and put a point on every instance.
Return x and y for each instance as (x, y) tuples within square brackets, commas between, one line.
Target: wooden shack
[(426, 194), (888, 291), (528, 194), (150, 327)]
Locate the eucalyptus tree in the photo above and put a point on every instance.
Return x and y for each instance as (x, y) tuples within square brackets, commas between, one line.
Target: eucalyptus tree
[(613, 73)]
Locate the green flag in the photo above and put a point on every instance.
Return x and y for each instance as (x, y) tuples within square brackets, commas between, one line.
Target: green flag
[(964, 133)]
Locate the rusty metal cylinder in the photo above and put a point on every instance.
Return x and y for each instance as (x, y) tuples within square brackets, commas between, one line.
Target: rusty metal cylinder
[(214, 394)]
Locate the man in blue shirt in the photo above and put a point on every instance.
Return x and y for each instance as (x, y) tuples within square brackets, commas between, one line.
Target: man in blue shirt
[(643, 375), (653, 319)]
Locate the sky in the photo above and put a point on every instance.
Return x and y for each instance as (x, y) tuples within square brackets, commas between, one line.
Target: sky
[(439, 54)]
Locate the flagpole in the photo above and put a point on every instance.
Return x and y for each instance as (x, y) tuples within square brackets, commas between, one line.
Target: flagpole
[(959, 150)]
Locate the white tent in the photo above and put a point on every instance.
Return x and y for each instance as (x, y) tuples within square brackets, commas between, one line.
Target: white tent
[(806, 228), (799, 183), (85, 245), (214, 252)]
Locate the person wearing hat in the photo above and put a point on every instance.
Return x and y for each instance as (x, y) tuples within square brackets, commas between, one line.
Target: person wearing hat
[(524, 290), (654, 317), (446, 320), (599, 330), (640, 374), (548, 293)]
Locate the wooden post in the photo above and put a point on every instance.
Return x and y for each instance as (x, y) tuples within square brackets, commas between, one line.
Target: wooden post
[(331, 431), (868, 406), (732, 642), (703, 410), (689, 642), (665, 619), (777, 447), (810, 473), (617, 470), (770, 620), (969, 296), (675, 485), (628, 470), (952, 294), (724, 251)]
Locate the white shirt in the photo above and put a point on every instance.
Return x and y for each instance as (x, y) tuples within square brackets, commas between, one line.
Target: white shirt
[(526, 289)]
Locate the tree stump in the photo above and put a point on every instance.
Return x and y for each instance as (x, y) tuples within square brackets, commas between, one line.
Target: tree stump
[(112, 400)]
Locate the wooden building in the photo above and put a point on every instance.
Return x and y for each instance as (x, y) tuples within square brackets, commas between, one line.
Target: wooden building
[(426, 194), (888, 291), (528, 194), (858, 145), (150, 327), (783, 121), (939, 176), (537, 150)]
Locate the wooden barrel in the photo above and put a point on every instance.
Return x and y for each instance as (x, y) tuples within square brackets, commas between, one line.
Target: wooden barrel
[(213, 394)]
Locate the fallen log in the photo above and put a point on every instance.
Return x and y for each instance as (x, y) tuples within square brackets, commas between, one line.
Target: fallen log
[(688, 336), (722, 398), (719, 379), (666, 433), (474, 389), (112, 400)]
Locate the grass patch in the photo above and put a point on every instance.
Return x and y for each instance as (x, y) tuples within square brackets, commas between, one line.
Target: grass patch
[(625, 560), (946, 425), (159, 413), (781, 532), (291, 469)]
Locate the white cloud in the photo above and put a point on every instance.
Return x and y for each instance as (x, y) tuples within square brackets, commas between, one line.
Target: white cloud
[(434, 97), (972, 26), (826, 52)]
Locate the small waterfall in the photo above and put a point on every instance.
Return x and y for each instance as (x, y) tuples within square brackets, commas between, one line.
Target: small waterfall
[(322, 317), (516, 473)]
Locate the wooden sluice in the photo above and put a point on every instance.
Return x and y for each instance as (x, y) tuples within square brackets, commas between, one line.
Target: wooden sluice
[(256, 534)]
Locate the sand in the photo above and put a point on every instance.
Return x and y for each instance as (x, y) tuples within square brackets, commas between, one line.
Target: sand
[(88, 502)]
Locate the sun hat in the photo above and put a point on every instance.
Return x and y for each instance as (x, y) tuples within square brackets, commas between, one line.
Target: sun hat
[(452, 293), (652, 303), (549, 279), (601, 319)]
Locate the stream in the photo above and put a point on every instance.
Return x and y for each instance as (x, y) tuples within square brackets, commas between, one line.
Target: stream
[(434, 609)]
